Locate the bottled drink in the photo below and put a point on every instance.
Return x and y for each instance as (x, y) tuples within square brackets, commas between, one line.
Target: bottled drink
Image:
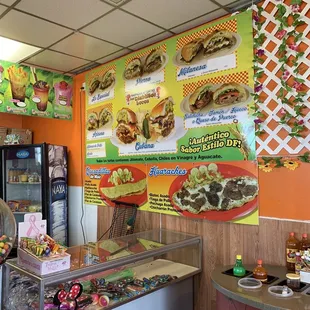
[(260, 272), (239, 270), (298, 263), (304, 244), (292, 246)]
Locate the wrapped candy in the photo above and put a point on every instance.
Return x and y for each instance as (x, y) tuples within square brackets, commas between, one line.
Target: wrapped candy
[(41, 246)]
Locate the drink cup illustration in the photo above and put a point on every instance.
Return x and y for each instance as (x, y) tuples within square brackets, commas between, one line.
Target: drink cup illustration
[(40, 97), (63, 93), (19, 79)]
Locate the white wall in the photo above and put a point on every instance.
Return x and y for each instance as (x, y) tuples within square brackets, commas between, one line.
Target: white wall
[(75, 196)]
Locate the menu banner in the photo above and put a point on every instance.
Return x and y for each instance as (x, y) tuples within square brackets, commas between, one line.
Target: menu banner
[(225, 191), (186, 98), (29, 91), (170, 127)]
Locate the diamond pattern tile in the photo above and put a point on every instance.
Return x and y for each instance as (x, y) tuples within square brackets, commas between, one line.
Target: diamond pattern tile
[(169, 13), (114, 56), (70, 13), (2, 9), (84, 46), (25, 28), (55, 60), (199, 21), (121, 28), (7, 2), (152, 40)]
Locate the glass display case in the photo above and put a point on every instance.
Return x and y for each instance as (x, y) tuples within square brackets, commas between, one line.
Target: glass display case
[(152, 267)]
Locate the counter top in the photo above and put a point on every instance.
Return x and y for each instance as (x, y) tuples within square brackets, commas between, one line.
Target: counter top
[(259, 298)]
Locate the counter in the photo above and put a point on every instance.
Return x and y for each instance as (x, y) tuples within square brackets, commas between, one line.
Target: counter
[(145, 254), (231, 296)]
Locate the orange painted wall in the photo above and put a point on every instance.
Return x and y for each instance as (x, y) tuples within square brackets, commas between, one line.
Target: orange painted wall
[(9, 120), (285, 193)]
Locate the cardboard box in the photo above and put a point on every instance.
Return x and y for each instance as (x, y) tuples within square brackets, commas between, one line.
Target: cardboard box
[(42, 266), (3, 133), (305, 276), (25, 134)]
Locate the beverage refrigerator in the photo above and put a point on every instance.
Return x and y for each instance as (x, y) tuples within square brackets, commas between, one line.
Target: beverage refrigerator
[(34, 179)]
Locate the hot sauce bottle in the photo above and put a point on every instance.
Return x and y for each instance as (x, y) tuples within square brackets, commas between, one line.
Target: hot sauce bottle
[(260, 272), (292, 246), (239, 270)]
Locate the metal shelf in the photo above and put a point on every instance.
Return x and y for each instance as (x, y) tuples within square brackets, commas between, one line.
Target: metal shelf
[(21, 213), (24, 183)]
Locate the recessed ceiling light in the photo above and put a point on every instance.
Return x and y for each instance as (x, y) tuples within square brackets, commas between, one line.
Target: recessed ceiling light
[(14, 51)]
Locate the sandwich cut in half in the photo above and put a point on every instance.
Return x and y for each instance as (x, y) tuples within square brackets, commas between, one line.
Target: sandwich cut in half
[(200, 98), (134, 69), (154, 60), (127, 129), (93, 85), (107, 80), (92, 121), (230, 93), (104, 117), (191, 49), (218, 41), (162, 118)]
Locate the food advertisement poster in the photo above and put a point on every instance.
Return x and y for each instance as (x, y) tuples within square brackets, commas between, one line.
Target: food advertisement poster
[(181, 101), (29, 91), (221, 191)]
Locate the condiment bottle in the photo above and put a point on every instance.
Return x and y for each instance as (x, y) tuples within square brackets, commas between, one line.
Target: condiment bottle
[(304, 244), (298, 263), (239, 270), (260, 272), (292, 246)]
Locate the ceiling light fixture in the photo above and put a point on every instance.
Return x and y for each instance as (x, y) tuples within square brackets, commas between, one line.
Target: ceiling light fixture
[(15, 51)]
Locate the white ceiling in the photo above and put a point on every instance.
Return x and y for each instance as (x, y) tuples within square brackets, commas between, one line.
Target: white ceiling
[(74, 35)]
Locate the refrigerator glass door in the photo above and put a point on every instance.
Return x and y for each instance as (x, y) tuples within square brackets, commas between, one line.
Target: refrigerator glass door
[(23, 179)]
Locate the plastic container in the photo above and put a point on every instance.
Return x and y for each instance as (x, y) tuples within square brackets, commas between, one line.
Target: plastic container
[(293, 280), (250, 283), (280, 291)]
